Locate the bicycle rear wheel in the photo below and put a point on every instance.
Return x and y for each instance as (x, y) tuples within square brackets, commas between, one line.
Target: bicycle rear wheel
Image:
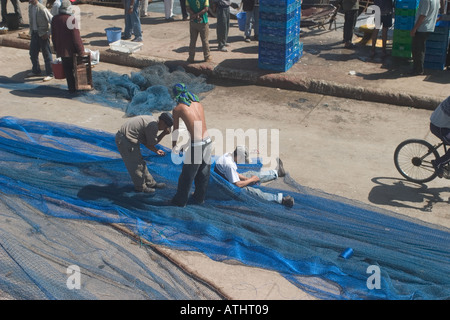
[(412, 159)]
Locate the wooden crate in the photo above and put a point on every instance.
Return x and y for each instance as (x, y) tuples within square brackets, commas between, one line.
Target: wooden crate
[(83, 72)]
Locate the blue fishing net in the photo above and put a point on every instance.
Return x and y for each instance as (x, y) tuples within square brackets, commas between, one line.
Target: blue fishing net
[(143, 92), (53, 172)]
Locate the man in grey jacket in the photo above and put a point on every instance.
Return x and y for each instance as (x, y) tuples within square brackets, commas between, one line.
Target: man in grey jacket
[(143, 130), (40, 19)]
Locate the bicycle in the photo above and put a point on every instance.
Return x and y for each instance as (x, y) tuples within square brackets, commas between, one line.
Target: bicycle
[(413, 158)]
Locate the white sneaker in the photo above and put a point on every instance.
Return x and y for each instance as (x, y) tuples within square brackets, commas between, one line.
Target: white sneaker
[(47, 78)]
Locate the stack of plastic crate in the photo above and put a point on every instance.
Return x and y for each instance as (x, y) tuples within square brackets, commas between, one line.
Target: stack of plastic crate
[(436, 47), (405, 17), (279, 34)]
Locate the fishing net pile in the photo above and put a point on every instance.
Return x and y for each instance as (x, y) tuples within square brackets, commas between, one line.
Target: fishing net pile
[(144, 91)]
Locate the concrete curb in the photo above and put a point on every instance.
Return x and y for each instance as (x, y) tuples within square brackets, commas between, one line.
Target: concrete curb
[(281, 80)]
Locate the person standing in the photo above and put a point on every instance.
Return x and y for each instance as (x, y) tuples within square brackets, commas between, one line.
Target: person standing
[(386, 10), (143, 9), (197, 164), (17, 10), (351, 9), (132, 21), (53, 6), (66, 41), (198, 25), (251, 9), (223, 23), (426, 16), (183, 10), (40, 19), (168, 10), (142, 130)]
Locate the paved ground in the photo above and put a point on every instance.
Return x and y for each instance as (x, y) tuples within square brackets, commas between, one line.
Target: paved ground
[(325, 67)]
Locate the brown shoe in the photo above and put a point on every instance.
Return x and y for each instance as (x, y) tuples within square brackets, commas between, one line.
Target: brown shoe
[(208, 59)]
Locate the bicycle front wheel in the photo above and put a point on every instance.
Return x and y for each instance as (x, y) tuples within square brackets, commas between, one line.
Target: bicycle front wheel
[(412, 159)]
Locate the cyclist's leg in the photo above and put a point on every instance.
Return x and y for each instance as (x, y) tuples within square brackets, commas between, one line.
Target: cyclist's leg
[(444, 135)]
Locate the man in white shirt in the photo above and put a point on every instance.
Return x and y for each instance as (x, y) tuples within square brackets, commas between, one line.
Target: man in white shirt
[(426, 17), (440, 127), (226, 167)]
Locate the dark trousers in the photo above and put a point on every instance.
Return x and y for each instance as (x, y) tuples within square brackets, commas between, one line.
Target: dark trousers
[(38, 44), (16, 6), (350, 17), (441, 133), (183, 9), (196, 169), (223, 25), (67, 63), (418, 50)]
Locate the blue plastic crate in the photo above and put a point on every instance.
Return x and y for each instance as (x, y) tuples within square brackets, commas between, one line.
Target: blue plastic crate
[(436, 51), (277, 55), (407, 4), (276, 31), (279, 8), (294, 21), (440, 58), (438, 37), (436, 45), (282, 67), (271, 16), (404, 22), (282, 48), (434, 65), (277, 2), (279, 39)]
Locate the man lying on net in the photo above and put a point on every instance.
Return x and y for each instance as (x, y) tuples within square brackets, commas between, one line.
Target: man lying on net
[(226, 167)]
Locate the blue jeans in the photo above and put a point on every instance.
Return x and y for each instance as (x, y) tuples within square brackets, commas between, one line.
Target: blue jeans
[(264, 176), (38, 44), (132, 20), (252, 21)]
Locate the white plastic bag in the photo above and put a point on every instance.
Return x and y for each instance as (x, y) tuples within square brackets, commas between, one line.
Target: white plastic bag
[(95, 55)]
